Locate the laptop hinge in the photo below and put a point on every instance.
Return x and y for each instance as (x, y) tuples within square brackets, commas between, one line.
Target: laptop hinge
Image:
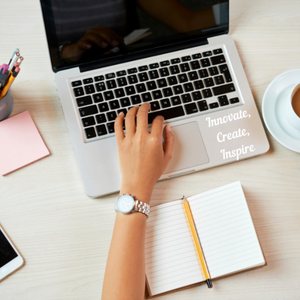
[(141, 54)]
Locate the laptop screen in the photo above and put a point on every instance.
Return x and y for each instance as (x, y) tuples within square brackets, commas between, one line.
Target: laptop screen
[(81, 32)]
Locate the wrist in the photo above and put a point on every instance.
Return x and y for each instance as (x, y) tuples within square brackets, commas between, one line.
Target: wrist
[(140, 193)]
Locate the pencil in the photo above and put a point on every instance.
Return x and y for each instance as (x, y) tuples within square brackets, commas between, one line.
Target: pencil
[(197, 243)]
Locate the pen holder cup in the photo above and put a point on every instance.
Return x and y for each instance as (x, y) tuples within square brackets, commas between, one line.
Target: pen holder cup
[(6, 106)]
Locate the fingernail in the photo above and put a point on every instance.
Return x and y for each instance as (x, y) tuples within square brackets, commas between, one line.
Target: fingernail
[(87, 46), (121, 113), (169, 128), (115, 43), (104, 44)]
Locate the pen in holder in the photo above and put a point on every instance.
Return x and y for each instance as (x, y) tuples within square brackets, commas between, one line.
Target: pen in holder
[(6, 106)]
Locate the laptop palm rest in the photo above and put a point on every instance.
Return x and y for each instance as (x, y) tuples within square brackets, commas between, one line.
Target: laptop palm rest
[(189, 149)]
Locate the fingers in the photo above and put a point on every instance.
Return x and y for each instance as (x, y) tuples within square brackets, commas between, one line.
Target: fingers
[(168, 144), (142, 117), (119, 127), (157, 126), (130, 125)]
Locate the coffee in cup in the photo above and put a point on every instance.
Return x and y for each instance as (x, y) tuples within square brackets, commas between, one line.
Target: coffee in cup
[(292, 109)]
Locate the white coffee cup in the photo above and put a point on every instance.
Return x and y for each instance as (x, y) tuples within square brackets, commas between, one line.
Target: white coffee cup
[(292, 107)]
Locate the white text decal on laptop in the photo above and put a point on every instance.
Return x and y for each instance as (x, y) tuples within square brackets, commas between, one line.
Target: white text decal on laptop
[(222, 137)]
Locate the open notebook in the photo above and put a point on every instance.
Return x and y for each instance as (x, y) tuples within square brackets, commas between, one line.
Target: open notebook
[(225, 230)]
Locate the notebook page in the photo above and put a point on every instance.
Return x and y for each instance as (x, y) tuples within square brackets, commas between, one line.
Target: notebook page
[(171, 256), (226, 230)]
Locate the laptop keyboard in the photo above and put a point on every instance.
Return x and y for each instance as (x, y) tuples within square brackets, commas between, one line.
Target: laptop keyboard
[(175, 88)]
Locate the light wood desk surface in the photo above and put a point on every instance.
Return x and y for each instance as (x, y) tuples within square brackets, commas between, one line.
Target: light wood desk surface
[(64, 235)]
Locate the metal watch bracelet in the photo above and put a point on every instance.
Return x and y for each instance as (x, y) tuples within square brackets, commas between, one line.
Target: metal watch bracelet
[(142, 207)]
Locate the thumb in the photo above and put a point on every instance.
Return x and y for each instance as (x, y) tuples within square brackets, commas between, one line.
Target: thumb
[(168, 144)]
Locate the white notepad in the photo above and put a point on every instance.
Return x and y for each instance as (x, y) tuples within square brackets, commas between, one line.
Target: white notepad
[(225, 230)]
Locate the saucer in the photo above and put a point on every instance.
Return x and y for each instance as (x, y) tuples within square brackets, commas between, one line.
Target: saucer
[(274, 100)]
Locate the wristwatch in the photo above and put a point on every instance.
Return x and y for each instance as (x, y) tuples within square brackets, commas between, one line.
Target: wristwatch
[(127, 204)]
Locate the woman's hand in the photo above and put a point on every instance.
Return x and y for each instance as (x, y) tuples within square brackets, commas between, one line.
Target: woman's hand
[(143, 156)]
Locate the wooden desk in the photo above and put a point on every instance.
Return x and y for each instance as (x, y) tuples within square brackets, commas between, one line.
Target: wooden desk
[(65, 236)]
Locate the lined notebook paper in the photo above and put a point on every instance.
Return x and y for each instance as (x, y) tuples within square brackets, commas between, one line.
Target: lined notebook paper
[(225, 231)]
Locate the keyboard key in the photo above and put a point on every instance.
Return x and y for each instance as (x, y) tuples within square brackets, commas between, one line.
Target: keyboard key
[(193, 75), (99, 78), (188, 87), (197, 56), (176, 100), (225, 71), (218, 51), (125, 102), (143, 68), (186, 98), (207, 93), (78, 91), (132, 70), (186, 58), (98, 98), (111, 84), (202, 105), (103, 107), (136, 99), (154, 105), (234, 100), (169, 113), (123, 110), (157, 94), (101, 130), (174, 70), (205, 62), (164, 72), (182, 78), (195, 65), (101, 118), (121, 73), (132, 79), (76, 83), (82, 101), (154, 66), (196, 96), (108, 95), (114, 104), (198, 84), (130, 90), (223, 68), (207, 53), (111, 116), (216, 60), (191, 108), (143, 76), (151, 85), (223, 89), (165, 103), (153, 74), (141, 88), (223, 100), (219, 79), (88, 80), (213, 71), (89, 89), (167, 92), (203, 73), (185, 67), (89, 121), (177, 89), (111, 127), (90, 132), (208, 82), (100, 86), (162, 82), (146, 97), (172, 80), (119, 93), (110, 75), (87, 111), (164, 63), (122, 81), (214, 105), (175, 61)]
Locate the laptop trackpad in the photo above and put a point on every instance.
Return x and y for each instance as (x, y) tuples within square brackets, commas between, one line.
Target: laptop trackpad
[(189, 149)]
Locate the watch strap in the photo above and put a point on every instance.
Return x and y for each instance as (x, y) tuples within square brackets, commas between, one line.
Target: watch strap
[(142, 207)]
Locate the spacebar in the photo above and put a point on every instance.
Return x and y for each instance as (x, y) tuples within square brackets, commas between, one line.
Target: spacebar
[(170, 113)]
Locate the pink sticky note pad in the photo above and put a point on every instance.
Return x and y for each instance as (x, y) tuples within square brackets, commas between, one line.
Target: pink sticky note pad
[(20, 143)]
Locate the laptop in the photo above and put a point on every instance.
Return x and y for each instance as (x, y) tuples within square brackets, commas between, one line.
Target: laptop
[(111, 55)]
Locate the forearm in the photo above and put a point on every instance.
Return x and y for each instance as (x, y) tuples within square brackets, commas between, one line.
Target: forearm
[(125, 269)]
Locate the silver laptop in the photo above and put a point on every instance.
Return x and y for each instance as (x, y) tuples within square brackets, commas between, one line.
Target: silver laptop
[(111, 55)]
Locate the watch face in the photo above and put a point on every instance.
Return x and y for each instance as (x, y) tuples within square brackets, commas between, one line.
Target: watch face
[(125, 204)]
